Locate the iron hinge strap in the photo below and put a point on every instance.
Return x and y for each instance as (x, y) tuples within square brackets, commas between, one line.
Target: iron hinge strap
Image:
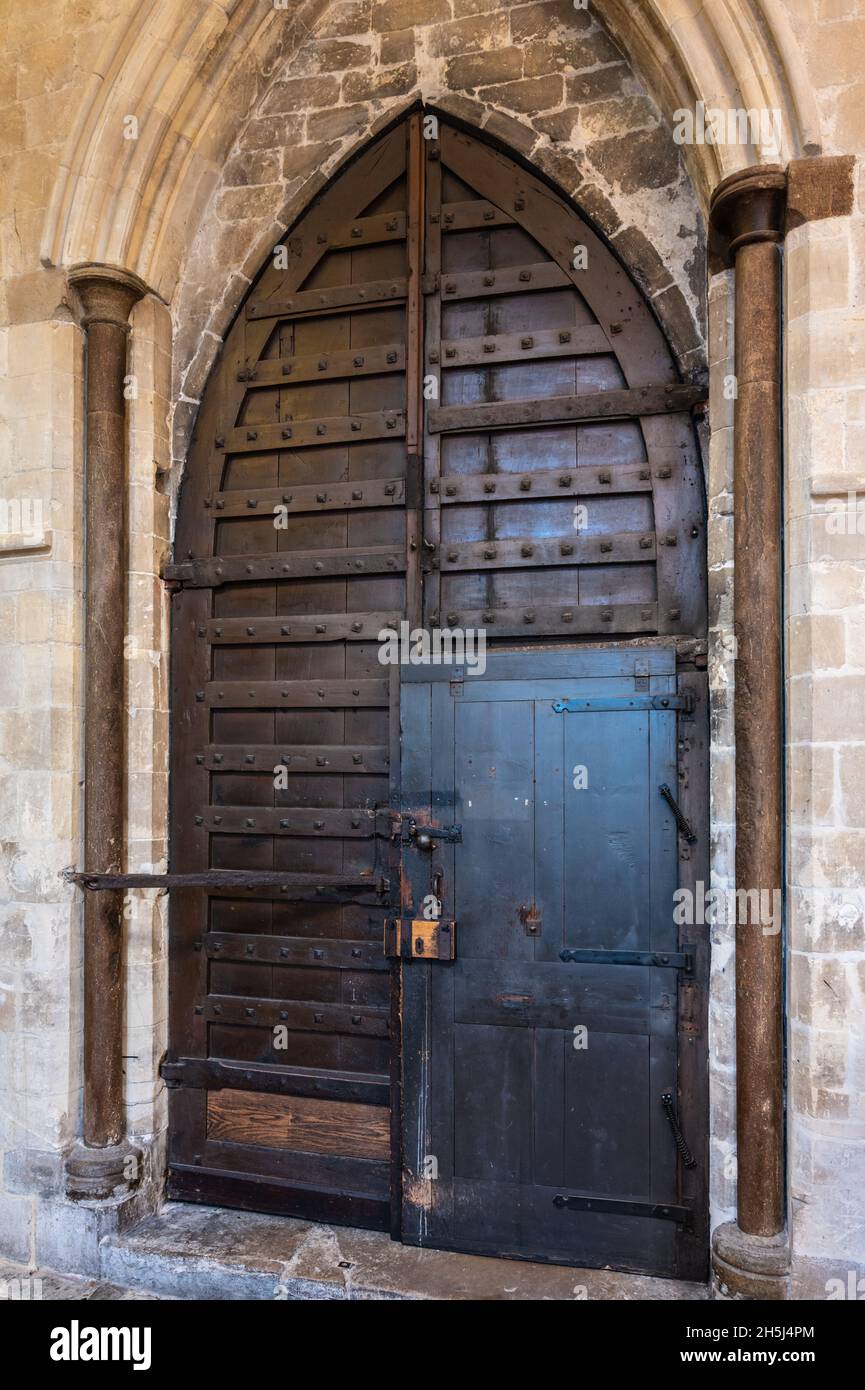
[(618, 704), (608, 1206), (665, 960)]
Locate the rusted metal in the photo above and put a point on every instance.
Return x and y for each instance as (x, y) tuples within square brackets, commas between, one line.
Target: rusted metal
[(748, 209), (107, 296), (419, 939), (225, 878)]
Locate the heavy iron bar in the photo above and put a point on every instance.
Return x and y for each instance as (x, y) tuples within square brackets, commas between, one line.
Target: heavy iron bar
[(223, 878)]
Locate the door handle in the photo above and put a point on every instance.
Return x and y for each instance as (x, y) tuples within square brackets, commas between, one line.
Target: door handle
[(669, 1110), (681, 821)]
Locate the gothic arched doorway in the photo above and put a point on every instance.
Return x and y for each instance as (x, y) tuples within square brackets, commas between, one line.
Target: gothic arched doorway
[(443, 402)]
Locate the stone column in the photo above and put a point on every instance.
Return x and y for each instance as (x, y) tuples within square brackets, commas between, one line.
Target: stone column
[(747, 212), (100, 1165)]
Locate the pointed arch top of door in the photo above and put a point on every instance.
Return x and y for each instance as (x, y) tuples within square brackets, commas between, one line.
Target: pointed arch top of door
[(633, 334), (616, 330)]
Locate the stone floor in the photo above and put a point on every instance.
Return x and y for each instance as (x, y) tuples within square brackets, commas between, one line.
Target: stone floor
[(18, 1283), (192, 1252)]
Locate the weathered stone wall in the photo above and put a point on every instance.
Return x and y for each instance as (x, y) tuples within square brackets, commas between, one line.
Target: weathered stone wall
[(244, 109)]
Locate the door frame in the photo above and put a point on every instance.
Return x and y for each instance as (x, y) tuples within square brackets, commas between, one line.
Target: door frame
[(414, 493)]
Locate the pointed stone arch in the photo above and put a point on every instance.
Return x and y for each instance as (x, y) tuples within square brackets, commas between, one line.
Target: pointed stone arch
[(191, 77)]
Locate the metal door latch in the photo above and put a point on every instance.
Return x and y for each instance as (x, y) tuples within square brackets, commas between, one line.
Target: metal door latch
[(418, 939), (426, 837), (683, 824)]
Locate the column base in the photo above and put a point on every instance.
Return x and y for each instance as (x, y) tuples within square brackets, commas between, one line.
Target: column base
[(749, 1267), (94, 1175)]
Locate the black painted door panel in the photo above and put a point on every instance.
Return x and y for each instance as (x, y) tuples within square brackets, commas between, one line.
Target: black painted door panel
[(528, 1080)]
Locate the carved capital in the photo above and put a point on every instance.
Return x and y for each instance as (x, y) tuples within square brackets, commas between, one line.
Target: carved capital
[(107, 292), (749, 206)]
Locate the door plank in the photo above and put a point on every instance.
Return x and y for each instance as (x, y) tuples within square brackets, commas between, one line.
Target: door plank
[(299, 1122)]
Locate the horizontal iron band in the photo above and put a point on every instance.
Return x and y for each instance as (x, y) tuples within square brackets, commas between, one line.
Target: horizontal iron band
[(665, 960), (331, 300), (622, 703), (586, 481), (212, 571), (328, 953), (592, 405), (217, 1075), (548, 620), (359, 1020), (608, 1206), (305, 499)]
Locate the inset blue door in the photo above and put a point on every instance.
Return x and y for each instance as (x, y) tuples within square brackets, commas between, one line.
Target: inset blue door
[(541, 1114)]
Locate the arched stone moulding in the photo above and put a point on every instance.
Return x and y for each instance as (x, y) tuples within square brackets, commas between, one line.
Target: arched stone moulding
[(191, 75)]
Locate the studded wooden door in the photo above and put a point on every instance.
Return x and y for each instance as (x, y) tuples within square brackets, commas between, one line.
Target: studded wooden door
[(443, 401)]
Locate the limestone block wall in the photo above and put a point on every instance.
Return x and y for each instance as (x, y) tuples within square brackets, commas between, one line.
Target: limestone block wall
[(825, 556), (40, 737)]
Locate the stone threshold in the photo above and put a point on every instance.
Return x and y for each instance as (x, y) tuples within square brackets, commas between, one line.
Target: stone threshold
[(195, 1252)]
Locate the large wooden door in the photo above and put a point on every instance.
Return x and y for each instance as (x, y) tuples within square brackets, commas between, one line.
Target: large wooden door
[(443, 400)]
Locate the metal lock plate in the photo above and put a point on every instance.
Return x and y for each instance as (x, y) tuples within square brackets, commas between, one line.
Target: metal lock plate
[(419, 939)]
